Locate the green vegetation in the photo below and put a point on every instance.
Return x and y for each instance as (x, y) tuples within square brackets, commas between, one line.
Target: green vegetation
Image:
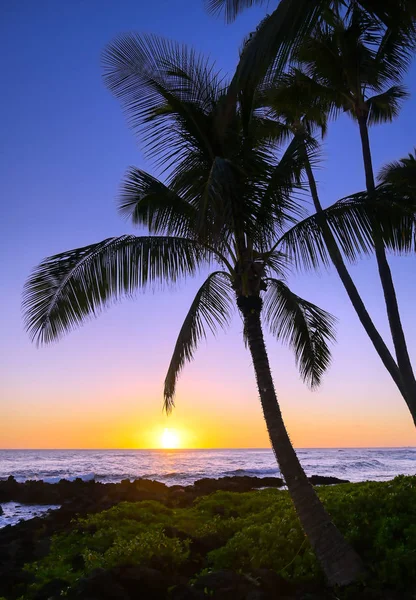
[(245, 532)]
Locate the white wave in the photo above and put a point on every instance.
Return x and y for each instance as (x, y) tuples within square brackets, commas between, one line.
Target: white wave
[(57, 479)]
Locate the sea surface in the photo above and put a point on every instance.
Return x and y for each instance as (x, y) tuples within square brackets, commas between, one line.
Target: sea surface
[(183, 467)]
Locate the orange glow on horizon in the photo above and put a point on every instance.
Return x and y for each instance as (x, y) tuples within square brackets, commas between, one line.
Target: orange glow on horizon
[(210, 422)]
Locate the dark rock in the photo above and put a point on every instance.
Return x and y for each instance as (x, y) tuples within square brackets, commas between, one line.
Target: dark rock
[(326, 480), (1, 511), (14, 581), (236, 483)]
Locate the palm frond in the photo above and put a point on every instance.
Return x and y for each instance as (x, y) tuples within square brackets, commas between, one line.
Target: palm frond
[(298, 99), (352, 220), (167, 91), (231, 8), (211, 308), (277, 263), (279, 199), (391, 13), (385, 107), (304, 326), (400, 173), (147, 201), (395, 52), (275, 40), (68, 288)]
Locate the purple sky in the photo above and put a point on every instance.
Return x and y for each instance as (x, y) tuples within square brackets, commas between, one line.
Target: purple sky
[(65, 146)]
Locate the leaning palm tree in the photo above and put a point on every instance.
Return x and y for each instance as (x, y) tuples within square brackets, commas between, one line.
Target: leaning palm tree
[(302, 105), (225, 201), (357, 67)]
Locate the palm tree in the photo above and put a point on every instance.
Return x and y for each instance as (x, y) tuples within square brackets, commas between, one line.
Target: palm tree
[(300, 103), (281, 32), (357, 67), (225, 201)]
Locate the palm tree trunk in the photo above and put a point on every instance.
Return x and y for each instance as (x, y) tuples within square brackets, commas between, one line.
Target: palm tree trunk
[(390, 298), (338, 559), (350, 288)]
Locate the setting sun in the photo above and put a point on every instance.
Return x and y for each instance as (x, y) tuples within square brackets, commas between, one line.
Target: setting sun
[(170, 439)]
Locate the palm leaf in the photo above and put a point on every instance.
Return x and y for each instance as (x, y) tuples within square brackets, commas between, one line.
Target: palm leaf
[(147, 201), (167, 90), (395, 51), (386, 106), (401, 173), (278, 198), (212, 307), (274, 42), (352, 221), (306, 328), (68, 288), (230, 8)]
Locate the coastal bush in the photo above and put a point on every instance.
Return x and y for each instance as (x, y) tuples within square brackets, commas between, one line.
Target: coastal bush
[(247, 531)]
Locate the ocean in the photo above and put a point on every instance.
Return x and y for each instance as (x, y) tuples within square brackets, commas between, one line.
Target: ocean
[(183, 467)]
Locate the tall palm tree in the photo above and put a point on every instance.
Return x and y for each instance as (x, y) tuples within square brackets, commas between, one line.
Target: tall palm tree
[(291, 21), (357, 67), (225, 201), (302, 105)]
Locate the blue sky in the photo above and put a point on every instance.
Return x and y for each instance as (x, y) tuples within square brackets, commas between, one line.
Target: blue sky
[(65, 147)]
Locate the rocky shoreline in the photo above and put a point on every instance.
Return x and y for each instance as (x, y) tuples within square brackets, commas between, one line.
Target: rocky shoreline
[(81, 494)]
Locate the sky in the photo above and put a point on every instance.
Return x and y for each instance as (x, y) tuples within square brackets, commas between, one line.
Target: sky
[(65, 146)]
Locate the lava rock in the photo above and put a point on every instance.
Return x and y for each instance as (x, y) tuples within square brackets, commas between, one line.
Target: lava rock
[(326, 480), (236, 484)]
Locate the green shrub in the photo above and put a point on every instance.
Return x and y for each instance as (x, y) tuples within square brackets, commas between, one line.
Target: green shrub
[(251, 530)]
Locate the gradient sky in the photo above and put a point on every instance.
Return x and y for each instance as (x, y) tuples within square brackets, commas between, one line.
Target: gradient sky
[(64, 148)]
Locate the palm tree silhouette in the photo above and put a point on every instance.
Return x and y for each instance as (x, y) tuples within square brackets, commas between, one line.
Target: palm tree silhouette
[(226, 200)]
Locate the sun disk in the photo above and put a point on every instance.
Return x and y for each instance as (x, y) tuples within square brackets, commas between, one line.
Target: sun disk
[(170, 439)]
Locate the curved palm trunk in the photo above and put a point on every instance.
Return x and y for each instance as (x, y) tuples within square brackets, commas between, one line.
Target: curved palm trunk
[(350, 288), (339, 561), (390, 298)]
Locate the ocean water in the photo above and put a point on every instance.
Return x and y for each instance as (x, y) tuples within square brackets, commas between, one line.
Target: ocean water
[(183, 467)]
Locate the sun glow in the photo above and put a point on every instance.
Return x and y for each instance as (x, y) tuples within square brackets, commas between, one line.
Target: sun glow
[(170, 439)]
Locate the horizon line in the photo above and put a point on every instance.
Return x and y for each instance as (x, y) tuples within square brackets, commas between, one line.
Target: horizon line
[(210, 448)]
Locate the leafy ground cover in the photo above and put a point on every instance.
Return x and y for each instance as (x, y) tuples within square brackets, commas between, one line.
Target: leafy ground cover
[(241, 532)]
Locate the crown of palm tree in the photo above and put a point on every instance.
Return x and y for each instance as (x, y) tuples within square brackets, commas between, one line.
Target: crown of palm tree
[(401, 173), (282, 31), (226, 199), (355, 66)]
